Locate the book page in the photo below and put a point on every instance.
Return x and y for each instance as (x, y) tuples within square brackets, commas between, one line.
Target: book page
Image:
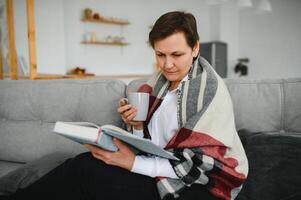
[(82, 133), (85, 133), (86, 124), (142, 144)]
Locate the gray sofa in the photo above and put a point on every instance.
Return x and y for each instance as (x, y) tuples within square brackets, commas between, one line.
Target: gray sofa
[(267, 114)]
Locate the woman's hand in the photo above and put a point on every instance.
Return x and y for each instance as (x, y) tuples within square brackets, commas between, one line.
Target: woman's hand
[(128, 112), (123, 158)]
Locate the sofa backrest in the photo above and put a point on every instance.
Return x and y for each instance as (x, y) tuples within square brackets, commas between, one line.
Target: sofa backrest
[(267, 105), (29, 109), (262, 105)]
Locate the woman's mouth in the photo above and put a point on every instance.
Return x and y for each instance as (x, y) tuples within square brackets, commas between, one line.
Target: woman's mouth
[(171, 72)]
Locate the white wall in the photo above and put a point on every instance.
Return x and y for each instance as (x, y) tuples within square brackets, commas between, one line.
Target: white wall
[(49, 22), (136, 58), (3, 35), (229, 32), (272, 41), (49, 27)]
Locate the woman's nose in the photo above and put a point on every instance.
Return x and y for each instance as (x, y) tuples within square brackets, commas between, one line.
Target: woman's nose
[(168, 63)]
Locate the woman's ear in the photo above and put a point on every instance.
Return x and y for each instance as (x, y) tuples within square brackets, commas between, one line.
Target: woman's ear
[(195, 50)]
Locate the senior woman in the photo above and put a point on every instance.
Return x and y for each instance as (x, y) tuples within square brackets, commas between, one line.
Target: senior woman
[(190, 114)]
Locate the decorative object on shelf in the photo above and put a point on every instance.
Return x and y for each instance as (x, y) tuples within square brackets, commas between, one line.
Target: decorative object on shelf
[(96, 16), (109, 38), (87, 37), (88, 13), (89, 16), (118, 39), (241, 66), (92, 39), (79, 72)]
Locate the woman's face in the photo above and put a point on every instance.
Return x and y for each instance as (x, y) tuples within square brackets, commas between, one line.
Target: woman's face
[(174, 56)]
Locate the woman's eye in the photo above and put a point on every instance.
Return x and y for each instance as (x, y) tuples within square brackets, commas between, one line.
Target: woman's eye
[(160, 55), (177, 55)]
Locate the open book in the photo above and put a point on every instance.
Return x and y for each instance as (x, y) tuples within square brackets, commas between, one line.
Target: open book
[(102, 136)]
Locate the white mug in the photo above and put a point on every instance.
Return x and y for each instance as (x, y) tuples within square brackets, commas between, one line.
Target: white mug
[(140, 101)]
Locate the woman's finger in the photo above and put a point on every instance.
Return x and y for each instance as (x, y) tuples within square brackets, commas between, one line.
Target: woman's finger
[(126, 114), (98, 151), (94, 153), (122, 102), (89, 147), (124, 108), (131, 116), (98, 156)]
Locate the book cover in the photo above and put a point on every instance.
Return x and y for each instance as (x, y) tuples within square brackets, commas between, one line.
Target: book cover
[(102, 136)]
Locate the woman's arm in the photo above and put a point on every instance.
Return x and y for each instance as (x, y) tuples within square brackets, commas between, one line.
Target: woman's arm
[(153, 167), (125, 158)]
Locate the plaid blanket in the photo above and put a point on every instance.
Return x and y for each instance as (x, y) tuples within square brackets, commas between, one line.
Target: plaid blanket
[(210, 151)]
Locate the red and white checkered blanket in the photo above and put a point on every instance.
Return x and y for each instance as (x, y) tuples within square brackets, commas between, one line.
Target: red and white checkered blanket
[(210, 151)]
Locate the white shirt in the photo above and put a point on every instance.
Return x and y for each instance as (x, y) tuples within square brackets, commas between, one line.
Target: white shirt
[(162, 127)]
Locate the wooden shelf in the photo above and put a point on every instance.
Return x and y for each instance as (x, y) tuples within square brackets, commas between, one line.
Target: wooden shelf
[(106, 43), (107, 21)]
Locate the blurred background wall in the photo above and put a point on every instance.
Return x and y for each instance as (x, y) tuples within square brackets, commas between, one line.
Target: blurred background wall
[(270, 40)]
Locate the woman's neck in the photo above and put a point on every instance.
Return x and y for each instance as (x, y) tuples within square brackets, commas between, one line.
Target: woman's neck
[(173, 85)]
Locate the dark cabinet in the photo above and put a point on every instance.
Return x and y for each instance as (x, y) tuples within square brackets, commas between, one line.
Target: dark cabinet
[(216, 54)]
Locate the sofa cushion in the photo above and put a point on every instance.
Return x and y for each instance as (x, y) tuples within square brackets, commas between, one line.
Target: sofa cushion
[(6, 167), (61, 100), (292, 105), (274, 165), (257, 104), (29, 109), (28, 173), (24, 141)]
